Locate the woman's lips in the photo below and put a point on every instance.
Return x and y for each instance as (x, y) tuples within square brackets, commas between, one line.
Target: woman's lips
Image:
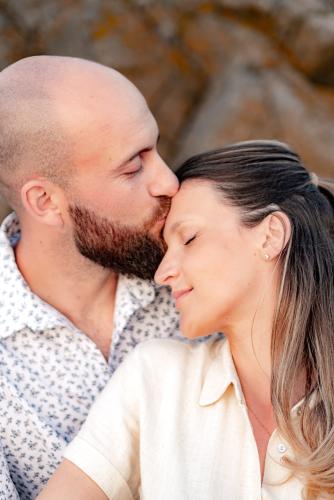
[(180, 294)]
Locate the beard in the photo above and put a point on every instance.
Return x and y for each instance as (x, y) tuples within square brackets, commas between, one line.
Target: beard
[(112, 245)]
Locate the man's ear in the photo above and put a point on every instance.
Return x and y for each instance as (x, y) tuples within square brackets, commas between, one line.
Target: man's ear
[(276, 234), (43, 200)]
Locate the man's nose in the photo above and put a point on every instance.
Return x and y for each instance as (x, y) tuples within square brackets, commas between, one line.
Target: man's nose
[(164, 182)]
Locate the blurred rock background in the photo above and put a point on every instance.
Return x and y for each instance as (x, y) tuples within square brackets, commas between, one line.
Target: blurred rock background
[(213, 72)]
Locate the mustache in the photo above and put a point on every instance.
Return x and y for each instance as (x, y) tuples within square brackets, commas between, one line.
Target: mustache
[(162, 209)]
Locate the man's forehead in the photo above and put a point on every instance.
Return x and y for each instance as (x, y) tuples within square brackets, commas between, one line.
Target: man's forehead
[(133, 136), (114, 136), (100, 100)]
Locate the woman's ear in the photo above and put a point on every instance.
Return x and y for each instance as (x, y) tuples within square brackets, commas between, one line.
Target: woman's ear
[(43, 201), (276, 234)]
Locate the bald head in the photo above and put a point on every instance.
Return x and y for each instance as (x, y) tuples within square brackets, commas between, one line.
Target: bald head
[(44, 103)]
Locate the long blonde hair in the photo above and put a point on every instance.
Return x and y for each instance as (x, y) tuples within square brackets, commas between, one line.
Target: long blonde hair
[(303, 340), (260, 177)]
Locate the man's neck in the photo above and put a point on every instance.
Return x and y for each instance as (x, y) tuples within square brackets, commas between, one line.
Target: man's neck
[(81, 290)]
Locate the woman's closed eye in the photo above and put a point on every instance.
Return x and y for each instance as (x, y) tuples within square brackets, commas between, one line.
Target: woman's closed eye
[(189, 240)]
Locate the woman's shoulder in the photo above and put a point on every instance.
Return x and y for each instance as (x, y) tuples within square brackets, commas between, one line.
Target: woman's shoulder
[(159, 354), (165, 370)]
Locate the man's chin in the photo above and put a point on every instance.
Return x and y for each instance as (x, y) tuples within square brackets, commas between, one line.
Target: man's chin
[(119, 248)]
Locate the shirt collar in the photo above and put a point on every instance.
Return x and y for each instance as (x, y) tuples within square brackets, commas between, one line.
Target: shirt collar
[(220, 375), (132, 294), (21, 308)]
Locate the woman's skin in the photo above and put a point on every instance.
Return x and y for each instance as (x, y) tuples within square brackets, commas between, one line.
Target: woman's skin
[(224, 277), (70, 483)]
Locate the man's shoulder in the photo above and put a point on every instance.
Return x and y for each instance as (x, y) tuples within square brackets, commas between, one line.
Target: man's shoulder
[(10, 230), (163, 296), (148, 299), (148, 288), (9, 235)]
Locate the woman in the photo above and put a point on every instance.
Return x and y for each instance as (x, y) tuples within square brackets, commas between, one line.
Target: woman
[(250, 253)]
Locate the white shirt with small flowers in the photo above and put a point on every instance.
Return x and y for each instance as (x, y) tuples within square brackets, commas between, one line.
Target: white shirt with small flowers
[(50, 372)]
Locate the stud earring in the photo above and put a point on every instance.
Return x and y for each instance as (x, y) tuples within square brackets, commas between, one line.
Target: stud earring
[(266, 256)]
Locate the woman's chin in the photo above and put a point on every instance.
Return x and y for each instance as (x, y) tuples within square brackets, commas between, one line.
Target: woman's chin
[(192, 330)]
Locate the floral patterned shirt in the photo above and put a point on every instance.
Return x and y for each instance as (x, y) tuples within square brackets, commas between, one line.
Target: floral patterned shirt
[(50, 372)]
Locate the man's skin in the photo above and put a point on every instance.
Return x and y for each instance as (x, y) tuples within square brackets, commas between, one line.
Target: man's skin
[(97, 128)]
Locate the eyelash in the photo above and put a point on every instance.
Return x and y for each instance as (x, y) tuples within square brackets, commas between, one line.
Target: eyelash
[(132, 174), (190, 240)]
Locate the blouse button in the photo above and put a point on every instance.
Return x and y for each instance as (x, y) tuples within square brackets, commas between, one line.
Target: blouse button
[(281, 447)]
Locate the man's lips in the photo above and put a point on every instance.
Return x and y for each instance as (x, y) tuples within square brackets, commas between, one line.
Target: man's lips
[(180, 294), (159, 226), (162, 219)]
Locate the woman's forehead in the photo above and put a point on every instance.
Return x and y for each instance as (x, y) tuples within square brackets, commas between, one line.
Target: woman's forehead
[(195, 199), (192, 188)]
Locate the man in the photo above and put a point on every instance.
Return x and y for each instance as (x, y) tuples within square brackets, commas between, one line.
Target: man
[(79, 165)]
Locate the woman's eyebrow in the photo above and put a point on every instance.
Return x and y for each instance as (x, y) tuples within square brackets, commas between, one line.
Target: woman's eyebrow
[(175, 226)]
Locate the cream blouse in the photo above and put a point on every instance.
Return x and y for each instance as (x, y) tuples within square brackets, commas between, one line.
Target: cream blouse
[(172, 425)]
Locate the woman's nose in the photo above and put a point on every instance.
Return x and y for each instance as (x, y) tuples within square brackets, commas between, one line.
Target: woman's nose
[(166, 271)]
